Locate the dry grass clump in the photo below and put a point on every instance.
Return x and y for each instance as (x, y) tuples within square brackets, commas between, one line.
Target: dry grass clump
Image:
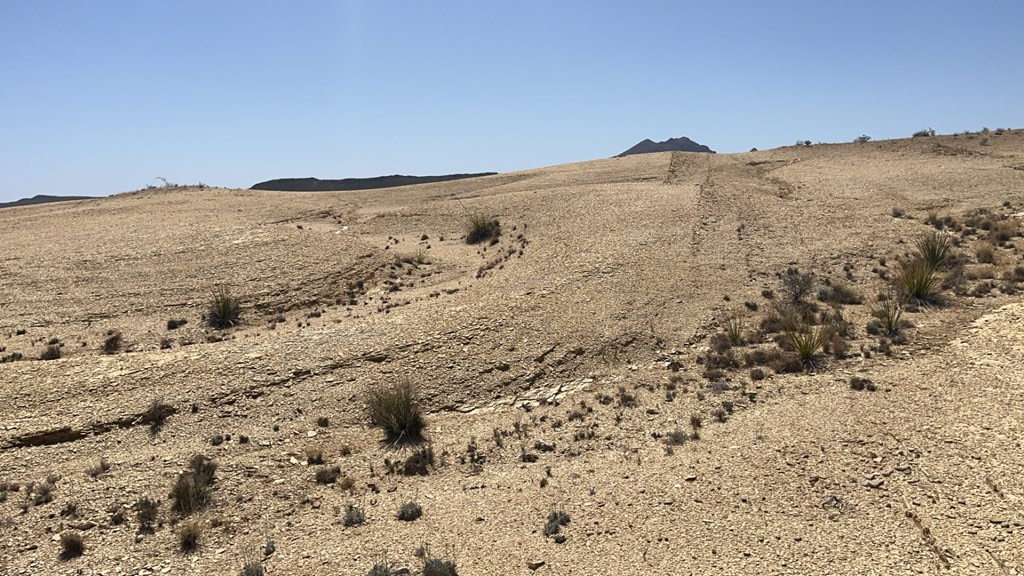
[(482, 229), (839, 293), (192, 490), (225, 311), (188, 536), (985, 254), (396, 409)]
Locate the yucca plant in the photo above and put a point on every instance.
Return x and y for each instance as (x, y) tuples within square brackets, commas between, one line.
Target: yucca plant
[(889, 312), (734, 331), (917, 280), (225, 311), (395, 409), (933, 247), (807, 341)]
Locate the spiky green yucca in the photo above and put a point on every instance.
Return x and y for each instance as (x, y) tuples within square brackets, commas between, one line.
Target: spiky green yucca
[(917, 280), (933, 247), (808, 340), (889, 312), (734, 331), (225, 311), (395, 409)]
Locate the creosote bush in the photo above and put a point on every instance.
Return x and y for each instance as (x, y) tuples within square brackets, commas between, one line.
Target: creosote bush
[(225, 311), (396, 409)]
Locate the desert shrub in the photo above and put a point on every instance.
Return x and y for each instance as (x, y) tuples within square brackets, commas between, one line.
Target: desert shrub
[(757, 374), (721, 361), (482, 229), (381, 568), (41, 493), (924, 133), (253, 568), (439, 567), (51, 352), (838, 293), (862, 139), (146, 513), (734, 331), (1002, 231), (677, 437), (985, 254), (933, 247), (797, 285), (157, 415), (225, 311), (328, 474), (72, 545), (556, 519), (916, 279), (192, 490), (409, 511), (395, 409), (354, 515), (859, 383), (112, 343), (720, 343), (416, 464), (314, 456), (627, 399), (188, 536)]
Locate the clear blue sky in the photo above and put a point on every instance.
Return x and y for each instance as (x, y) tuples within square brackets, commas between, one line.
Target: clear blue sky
[(100, 96)]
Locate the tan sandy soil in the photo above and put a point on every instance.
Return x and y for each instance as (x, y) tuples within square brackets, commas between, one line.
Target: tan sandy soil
[(609, 274)]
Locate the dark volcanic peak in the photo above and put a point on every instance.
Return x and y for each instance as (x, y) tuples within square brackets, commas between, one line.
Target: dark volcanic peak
[(317, 185), (682, 144), (41, 199)]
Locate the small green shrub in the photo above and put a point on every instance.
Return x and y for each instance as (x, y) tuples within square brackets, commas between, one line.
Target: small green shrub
[(396, 409), (354, 515), (146, 513), (225, 311), (409, 511), (556, 519), (482, 229)]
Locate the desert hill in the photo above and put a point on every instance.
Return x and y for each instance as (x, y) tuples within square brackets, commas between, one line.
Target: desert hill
[(580, 363), (682, 144), (41, 199), (317, 185)]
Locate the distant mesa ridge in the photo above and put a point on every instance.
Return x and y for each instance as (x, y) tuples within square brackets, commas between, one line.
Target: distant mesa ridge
[(317, 185), (681, 144), (42, 199)]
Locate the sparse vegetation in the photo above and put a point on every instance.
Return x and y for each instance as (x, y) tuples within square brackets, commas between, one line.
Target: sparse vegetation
[(72, 545), (482, 229), (924, 133), (51, 352), (354, 516), (556, 519), (328, 474), (192, 490), (225, 311), (934, 247), (807, 341), (887, 320), (188, 536), (112, 343), (146, 513), (99, 468), (917, 280), (396, 409), (409, 511), (862, 139)]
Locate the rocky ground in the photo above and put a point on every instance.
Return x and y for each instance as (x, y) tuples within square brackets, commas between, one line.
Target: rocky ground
[(569, 367)]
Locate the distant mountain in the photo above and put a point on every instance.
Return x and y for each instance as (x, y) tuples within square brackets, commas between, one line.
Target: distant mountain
[(682, 144), (317, 185), (42, 199)]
